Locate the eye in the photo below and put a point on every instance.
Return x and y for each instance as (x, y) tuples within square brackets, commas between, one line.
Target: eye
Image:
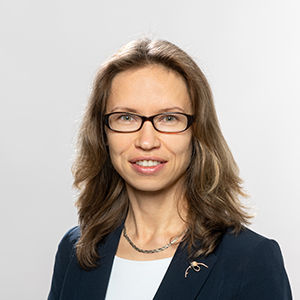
[(126, 118), (168, 118)]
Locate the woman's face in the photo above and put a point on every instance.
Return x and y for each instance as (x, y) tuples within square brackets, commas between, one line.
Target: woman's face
[(148, 91)]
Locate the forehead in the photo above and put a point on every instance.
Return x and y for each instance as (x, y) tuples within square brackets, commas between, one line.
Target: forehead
[(148, 89)]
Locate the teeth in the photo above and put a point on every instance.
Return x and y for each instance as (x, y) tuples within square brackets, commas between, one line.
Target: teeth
[(147, 163)]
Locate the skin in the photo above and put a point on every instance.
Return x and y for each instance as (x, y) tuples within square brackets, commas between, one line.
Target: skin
[(153, 218)]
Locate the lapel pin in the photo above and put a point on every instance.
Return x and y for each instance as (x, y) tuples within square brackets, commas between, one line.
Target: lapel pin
[(195, 266)]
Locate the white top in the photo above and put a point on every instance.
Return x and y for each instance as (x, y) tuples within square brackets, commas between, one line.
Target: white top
[(136, 279)]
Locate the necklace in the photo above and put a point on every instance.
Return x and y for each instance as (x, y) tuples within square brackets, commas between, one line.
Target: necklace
[(153, 250)]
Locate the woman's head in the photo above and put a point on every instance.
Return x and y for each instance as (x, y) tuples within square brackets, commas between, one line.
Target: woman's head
[(146, 77), (152, 90), (145, 54)]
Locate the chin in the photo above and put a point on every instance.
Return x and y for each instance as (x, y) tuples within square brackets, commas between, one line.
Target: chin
[(151, 186), (146, 188)]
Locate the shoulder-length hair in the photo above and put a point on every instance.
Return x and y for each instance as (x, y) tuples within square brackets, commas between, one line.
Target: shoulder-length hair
[(212, 181)]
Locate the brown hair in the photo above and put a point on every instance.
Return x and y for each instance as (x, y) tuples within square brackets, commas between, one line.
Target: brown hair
[(213, 185)]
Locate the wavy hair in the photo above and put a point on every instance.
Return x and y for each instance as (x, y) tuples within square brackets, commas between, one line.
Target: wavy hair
[(212, 181)]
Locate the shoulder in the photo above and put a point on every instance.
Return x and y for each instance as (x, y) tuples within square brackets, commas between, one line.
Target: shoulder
[(257, 263), (66, 248), (249, 247), (70, 237), (246, 241)]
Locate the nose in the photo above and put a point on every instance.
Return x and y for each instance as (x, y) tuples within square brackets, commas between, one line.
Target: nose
[(147, 138)]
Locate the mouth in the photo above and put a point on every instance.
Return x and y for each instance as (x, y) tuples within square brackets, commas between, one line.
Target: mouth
[(148, 166)]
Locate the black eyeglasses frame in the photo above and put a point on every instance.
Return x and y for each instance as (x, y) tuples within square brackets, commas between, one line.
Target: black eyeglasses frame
[(190, 119)]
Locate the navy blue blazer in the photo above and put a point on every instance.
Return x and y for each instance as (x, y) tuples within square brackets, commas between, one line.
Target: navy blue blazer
[(243, 267)]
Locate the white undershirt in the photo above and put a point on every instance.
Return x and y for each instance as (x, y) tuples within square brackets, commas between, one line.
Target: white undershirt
[(135, 280)]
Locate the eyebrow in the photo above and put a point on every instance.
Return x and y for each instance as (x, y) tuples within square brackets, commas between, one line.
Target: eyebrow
[(128, 109)]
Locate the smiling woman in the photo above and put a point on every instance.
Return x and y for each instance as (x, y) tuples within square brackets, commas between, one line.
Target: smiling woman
[(159, 192)]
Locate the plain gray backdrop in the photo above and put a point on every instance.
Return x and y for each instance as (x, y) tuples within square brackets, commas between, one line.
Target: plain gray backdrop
[(50, 52)]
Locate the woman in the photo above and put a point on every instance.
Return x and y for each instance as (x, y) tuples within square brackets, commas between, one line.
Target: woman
[(159, 209)]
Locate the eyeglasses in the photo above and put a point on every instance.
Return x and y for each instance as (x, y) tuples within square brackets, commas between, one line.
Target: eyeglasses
[(169, 122)]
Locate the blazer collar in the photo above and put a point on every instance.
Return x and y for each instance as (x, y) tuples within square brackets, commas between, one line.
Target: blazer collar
[(174, 285)]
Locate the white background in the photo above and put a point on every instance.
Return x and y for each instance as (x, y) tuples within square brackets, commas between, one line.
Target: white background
[(50, 52)]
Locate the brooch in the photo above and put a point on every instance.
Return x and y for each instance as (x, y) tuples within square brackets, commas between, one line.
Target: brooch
[(195, 266)]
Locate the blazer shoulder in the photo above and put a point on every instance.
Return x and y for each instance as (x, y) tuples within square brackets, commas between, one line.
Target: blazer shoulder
[(259, 262), (244, 242), (72, 235), (69, 239), (248, 248)]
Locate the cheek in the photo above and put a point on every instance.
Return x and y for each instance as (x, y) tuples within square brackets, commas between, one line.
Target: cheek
[(180, 147), (117, 145)]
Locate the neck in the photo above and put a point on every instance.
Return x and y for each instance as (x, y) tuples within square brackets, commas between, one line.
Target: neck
[(153, 216)]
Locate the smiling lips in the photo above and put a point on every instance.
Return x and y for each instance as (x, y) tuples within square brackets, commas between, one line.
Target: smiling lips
[(147, 165)]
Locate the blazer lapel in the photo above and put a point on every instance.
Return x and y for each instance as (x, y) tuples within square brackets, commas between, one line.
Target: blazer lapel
[(81, 284), (181, 281)]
